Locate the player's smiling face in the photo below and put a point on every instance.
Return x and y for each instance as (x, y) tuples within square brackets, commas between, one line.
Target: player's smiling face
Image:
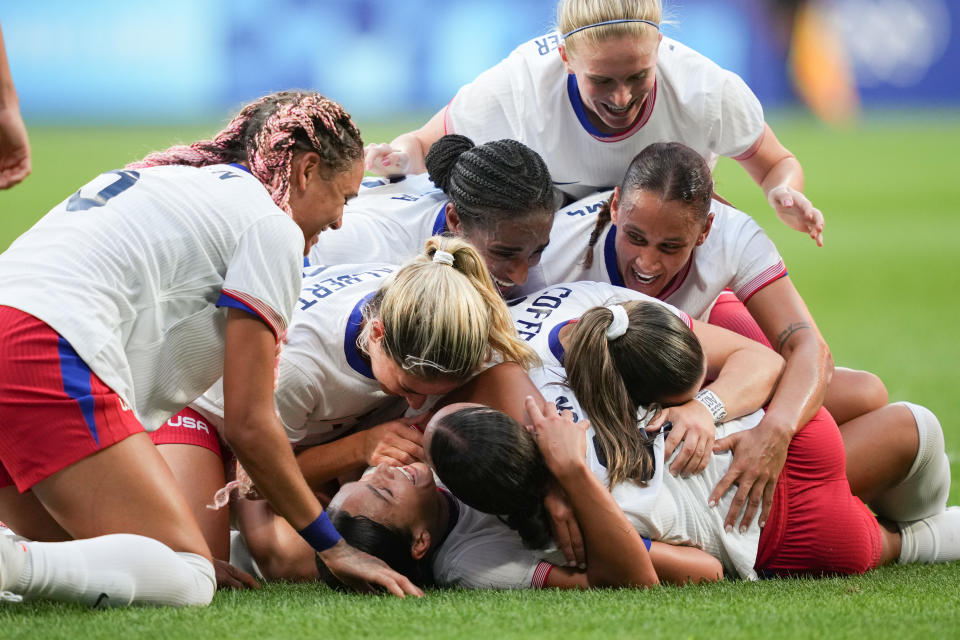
[(403, 498), (510, 248), (614, 78), (655, 238), (317, 197)]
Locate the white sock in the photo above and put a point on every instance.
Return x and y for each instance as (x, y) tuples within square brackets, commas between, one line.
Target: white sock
[(924, 491), (933, 539), (115, 571)]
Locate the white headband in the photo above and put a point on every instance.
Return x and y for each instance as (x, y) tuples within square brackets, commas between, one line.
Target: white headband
[(443, 256), (620, 322)]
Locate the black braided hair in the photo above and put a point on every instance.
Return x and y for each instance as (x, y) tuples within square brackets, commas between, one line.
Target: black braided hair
[(491, 182)]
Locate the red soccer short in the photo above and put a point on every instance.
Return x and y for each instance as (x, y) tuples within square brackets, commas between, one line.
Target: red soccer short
[(817, 526), (54, 411), (189, 427)]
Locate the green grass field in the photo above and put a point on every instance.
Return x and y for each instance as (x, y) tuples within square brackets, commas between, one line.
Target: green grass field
[(883, 291)]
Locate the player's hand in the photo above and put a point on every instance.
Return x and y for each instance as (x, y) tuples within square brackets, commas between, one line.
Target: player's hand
[(230, 577), (562, 441), (758, 457), (384, 160), (566, 529), (797, 212), (396, 443), (14, 148), (693, 426), (363, 572)]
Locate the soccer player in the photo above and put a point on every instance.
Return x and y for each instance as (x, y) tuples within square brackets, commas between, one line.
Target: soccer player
[(497, 195), (14, 146), (663, 235), (591, 95), (124, 303), (361, 336)]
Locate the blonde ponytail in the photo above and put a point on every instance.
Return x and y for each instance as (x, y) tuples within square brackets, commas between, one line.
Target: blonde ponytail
[(443, 320)]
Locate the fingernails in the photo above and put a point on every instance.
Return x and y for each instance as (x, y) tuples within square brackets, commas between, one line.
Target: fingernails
[(583, 566), (762, 523), (728, 528), (743, 529), (712, 504)]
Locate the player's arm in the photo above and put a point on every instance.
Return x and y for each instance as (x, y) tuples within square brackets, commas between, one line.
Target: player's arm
[(673, 564), (759, 454), (405, 154), (255, 434), (780, 175), (616, 552), (14, 145), (744, 375)]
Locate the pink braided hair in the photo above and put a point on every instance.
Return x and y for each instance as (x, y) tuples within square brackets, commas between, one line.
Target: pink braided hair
[(266, 134)]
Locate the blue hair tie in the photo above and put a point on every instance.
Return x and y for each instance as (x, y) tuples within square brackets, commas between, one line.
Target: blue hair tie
[(606, 22)]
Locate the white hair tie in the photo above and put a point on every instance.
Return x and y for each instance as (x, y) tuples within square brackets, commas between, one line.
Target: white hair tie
[(620, 322), (443, 256)]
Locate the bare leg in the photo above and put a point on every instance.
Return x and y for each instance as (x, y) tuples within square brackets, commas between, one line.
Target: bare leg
[(852, 393), (199, 473), (24, 514), (890, 551), (880, 447)]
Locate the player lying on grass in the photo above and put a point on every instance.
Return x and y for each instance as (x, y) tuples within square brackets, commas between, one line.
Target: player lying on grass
[(816, 526), (606, 84), (664, 235), (127, 301), (362, 337), (497, 195)]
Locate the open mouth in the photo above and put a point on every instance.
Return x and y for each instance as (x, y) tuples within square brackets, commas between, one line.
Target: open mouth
[(643, 279), (501, 285), (618, 111)]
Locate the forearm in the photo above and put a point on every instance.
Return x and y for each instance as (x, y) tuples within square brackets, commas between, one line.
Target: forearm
[(800, 393), (785, 172), (8, 93), (616, 554), (417, 143), (262, 448), (747, 380), (326, 462)]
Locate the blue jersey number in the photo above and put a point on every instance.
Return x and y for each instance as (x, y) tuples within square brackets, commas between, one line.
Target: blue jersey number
[(126, 180)]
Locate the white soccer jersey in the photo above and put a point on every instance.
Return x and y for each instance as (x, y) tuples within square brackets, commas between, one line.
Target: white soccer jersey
[(737, 255), (134, 271), (387, 222), (530, 97), (325, 387), (669, 508), (539, 316)]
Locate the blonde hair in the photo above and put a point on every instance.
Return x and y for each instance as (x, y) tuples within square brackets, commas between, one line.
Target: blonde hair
[(658, 357), (444, 321), (573, 14)]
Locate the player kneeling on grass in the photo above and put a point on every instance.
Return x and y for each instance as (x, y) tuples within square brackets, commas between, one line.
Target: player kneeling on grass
[(191, 256), (363, 336)]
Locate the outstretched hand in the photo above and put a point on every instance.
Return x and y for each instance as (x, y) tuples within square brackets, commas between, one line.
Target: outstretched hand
[(397, 442), (230, 577), (797, 212), (14, 148), (364, 573), (562, 441), (693, 425), (384, 160), (758, 458)]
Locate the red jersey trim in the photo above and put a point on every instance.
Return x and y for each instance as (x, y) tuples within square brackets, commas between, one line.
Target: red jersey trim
[(447, 120), (768, 275), (752, 149), (540, 574), (264, 311)]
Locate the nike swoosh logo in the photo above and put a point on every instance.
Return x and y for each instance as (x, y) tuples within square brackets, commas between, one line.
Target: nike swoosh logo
[(100, 599)]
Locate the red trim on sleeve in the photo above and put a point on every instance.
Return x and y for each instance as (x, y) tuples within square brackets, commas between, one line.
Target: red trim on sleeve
[(752, 149), (768, 275), (686, 319), (540, 575), (264, 311)]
